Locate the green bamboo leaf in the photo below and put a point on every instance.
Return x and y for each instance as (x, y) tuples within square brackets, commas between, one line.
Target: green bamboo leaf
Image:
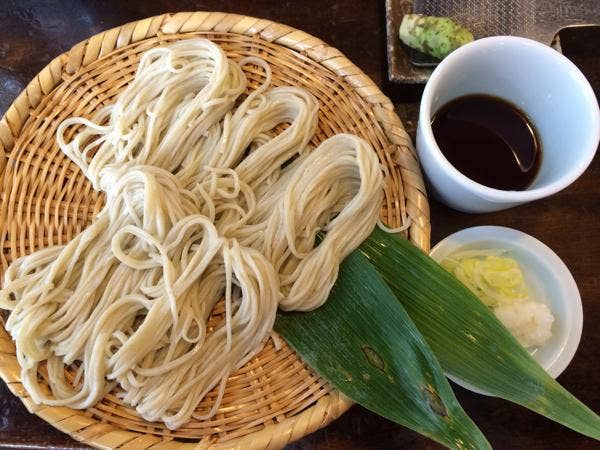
[(365, 345), (468, 340)]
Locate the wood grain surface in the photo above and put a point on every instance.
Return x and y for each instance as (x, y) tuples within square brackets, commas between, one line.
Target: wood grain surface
[(32, 32)]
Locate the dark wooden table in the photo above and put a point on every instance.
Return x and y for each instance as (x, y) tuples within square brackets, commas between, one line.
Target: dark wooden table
[(32, 32)]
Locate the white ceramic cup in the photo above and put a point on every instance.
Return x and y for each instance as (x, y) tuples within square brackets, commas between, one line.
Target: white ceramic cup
[(541, 82)]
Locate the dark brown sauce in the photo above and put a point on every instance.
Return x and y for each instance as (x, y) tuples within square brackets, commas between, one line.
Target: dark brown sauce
[(489, 140)]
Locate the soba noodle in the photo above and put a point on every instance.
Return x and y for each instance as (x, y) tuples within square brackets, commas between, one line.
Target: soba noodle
[(208, 197)]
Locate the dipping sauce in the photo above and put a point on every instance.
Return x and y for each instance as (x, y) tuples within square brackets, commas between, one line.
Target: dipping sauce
[(489, 140)]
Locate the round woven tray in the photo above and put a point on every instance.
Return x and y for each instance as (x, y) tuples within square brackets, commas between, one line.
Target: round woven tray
[(46, 200)]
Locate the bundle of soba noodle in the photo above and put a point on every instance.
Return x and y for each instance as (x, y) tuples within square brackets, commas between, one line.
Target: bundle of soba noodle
[(208, 197)]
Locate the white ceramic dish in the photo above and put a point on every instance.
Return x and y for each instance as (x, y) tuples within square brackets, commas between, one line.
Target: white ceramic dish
[(544, 84), (547, 277)]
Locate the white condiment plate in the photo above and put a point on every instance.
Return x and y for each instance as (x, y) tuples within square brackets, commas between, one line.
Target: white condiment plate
[(549, 281)]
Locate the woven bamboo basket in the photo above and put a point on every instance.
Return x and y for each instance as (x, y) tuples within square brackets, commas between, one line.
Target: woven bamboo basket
[(45, 200)]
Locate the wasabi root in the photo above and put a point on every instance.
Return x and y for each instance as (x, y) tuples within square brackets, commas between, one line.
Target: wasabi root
[(436, 36)]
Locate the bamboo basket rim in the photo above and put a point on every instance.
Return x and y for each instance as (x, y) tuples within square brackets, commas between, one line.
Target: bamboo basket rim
[(411, 201)]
